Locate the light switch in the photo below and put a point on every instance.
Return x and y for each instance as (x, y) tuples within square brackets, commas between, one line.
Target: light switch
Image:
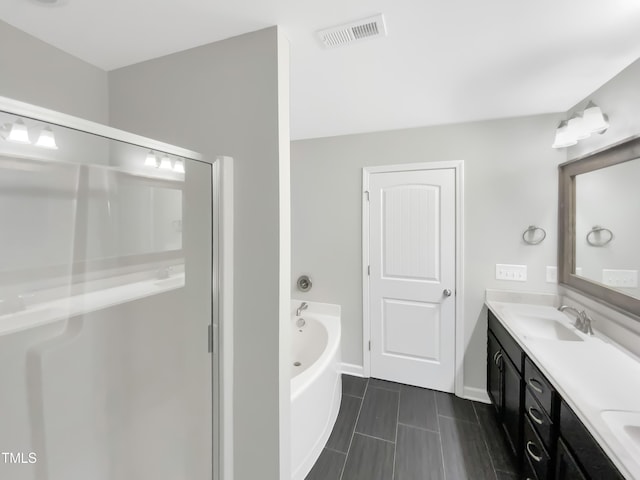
[(514, 273), (552, 274)]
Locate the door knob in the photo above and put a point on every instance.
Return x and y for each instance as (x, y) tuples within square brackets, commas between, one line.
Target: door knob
[(446, 292)]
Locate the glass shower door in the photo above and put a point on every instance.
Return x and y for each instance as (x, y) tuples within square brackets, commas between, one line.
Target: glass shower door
[(106, 301)]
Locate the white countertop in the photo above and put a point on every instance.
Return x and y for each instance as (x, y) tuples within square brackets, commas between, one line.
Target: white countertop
[(64, 308), (593, 376)]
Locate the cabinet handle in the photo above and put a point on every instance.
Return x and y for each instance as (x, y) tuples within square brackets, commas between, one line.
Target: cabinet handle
[(497, 356), (533, 383), (533, 417), (537, 458)]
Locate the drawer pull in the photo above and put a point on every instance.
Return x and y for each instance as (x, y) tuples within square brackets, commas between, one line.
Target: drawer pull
[(537, 458), (497, 357), (533, 416), (535, 385)]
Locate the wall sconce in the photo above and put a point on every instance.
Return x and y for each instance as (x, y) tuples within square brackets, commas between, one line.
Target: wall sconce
[(18, 132), (581, 125), (165, 163), (151, 160)]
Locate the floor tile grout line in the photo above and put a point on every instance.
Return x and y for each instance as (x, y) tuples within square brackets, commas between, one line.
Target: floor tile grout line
[(354, 430), (484, 439), (444, 470), (335, 451), (459, 419), (375, 438), (395, 444), (418, 428)]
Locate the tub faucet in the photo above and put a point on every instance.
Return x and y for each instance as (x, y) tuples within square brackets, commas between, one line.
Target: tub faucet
[(583, 320), (303, 306)]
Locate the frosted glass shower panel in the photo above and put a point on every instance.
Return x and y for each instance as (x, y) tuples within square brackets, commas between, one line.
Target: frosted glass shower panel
[(106, 299)]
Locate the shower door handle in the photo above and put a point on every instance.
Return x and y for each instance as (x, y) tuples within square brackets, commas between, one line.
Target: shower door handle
[(446, 292)]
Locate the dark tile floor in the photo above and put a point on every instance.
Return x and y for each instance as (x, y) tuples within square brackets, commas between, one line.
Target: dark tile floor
[(389, 431)]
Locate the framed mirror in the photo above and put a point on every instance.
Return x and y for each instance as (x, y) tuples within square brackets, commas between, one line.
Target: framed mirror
[(599, 226)]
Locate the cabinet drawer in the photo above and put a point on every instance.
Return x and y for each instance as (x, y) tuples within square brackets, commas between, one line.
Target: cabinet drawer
[(538, 385), (585, 449), (539, 419), (509, 345), (535, 452)]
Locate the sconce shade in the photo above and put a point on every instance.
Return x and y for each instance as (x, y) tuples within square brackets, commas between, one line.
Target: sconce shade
[(165, 163), (576, 127), (178, 166), (19, 132), (151, 160), (564, 137), (47, 139), (594, 120)]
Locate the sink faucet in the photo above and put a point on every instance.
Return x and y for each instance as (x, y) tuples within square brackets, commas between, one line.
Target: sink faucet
[(303, 306), (583, 320)]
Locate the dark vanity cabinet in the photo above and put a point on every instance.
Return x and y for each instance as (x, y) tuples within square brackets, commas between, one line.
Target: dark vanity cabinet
[(505, 382), (546, 437)]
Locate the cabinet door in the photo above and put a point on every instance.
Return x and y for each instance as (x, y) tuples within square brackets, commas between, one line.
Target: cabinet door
[(566, 467), (494, 374), (512, 417)]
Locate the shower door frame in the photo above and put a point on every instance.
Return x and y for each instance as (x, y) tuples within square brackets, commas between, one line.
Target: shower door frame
[(222, 270)]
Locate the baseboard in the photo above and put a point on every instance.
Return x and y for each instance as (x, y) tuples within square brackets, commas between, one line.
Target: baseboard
[(351, 369), (476, 394)]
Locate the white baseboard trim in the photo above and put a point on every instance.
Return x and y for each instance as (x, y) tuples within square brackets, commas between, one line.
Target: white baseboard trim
[(476, 394), (351, 369)]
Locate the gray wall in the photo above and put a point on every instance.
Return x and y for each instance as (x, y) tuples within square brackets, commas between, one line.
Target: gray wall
[(510, 183), (223, 99), (35, 72)]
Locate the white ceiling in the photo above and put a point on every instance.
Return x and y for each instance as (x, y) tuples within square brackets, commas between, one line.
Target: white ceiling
[(444, 61)]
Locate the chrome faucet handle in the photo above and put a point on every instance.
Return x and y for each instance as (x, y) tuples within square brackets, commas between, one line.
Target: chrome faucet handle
[(587, 320)]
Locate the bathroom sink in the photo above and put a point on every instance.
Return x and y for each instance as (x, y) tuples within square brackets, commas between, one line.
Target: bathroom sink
[(626, 426), (534, 326)]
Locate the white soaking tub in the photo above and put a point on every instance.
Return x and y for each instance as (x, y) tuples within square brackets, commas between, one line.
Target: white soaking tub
[(316, 384)]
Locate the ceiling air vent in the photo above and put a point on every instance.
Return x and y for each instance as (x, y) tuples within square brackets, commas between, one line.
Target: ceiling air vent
[(353, 31)]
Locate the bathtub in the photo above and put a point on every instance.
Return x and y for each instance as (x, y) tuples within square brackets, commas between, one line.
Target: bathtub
[(316, 384)]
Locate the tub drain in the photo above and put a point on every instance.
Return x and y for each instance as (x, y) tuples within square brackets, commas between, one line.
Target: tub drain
[(296, 364)]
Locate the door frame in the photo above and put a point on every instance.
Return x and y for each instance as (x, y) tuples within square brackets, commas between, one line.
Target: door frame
[(458, 167)]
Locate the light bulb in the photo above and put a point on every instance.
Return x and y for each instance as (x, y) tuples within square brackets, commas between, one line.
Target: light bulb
[(151, 160), (178, 166), (564, 137), (576, 127), (47, 139), (19, 132), (165, 163), (594, 120)]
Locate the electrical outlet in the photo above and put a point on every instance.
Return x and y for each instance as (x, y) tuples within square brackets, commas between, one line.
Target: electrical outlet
[(579, 271), (620, 278), (514, 273), (552, 274)]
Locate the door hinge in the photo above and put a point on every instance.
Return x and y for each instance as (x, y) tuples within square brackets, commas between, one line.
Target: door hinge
[(210, 338), (369, 270), (369, 345), (366, 192)]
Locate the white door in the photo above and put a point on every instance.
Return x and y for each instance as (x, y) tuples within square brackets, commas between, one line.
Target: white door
[(412, 221)]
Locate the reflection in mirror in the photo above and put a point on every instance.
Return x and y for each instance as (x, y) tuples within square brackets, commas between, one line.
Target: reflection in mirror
[(607, 226)]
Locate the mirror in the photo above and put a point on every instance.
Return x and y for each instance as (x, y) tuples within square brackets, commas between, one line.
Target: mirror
[(599, 212)]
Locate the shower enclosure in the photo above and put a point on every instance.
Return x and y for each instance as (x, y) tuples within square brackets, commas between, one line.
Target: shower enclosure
[(108, 303)]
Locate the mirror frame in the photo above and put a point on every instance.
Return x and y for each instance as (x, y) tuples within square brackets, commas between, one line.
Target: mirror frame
[(621, 152)]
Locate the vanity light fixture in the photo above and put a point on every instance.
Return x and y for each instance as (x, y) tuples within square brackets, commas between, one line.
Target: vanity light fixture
[(576, 127), (19, 132), (178, 166), (564, 138), (594, 120), (47, 139), (580, 126), (165, 163), (151, 160)]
